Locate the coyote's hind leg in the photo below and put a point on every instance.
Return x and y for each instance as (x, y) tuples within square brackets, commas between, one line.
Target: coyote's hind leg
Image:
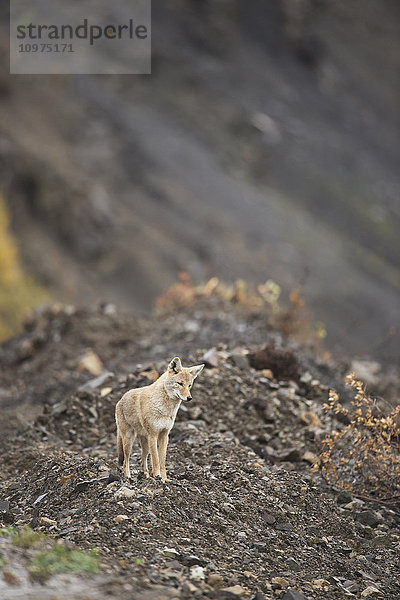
[(127, 442), (145, 453)]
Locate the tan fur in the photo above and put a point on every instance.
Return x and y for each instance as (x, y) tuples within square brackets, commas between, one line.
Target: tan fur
[(149, 413)]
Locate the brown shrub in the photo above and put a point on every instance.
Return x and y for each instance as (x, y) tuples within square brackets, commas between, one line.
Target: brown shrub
[(363, 456)]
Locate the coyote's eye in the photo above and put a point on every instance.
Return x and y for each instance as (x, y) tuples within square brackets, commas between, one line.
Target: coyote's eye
[(179, 383)]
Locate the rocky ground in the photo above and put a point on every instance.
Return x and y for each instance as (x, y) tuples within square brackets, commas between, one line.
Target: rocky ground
[(242, 516)]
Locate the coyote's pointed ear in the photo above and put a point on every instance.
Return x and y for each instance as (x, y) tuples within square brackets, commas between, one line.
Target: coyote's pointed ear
[(194, 371), (175, 366)]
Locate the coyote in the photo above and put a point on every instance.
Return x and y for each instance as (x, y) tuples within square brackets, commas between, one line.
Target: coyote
[(149, 413)]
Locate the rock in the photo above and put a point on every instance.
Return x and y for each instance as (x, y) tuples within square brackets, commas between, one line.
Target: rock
[(268, 517), (264, 408), (34, 522), (195, 412), (368, 531), (197, 573), (366, 370), (95, 383), (152, 375), (14, 486), (211, 359), (306, 377), (82, 486), (371, 591), (311, 419), (5, 514), (310, 457), (236, 590), (188, 587), (268, 127), (284, 527), (90, 362), (320, 584), (47, 521), (121, 518), (240, 360), (294, 595), (286, 393), (105, 391), (268, 414), (170, 553), (344, 497), (26, 349), (191, 326), (350, 586), (215, 580), (190, 560), (42, 496), (124, 492), (93, 412), (59, 408), (293, 565), (267, 373), (367, 517), (356, 503), (113, 476), (289, 454), (108, 308), (279, 583), (381, 541)]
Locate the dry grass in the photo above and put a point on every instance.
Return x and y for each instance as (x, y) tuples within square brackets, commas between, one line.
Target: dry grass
[(291, 318)]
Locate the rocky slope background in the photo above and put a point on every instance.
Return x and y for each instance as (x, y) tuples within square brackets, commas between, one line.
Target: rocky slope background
[(243, 515), (263, 146), (263, 149)]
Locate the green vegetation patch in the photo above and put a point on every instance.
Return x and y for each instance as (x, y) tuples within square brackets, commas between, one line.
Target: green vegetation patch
[(6, 531), (62, 560), (24, 537)]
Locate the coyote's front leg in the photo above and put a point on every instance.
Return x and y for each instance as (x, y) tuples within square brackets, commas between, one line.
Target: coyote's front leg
[(162, 448), (155, 462)]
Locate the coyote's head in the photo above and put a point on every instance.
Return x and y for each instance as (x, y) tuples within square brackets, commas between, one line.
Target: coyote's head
[(180, 379)]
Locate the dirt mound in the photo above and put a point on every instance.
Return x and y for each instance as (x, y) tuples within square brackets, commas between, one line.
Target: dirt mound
[(242, 513), (225, 512), (275, 419)]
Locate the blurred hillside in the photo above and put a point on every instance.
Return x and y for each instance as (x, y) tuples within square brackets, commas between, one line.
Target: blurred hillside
[(264, 145), (18, 290)]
